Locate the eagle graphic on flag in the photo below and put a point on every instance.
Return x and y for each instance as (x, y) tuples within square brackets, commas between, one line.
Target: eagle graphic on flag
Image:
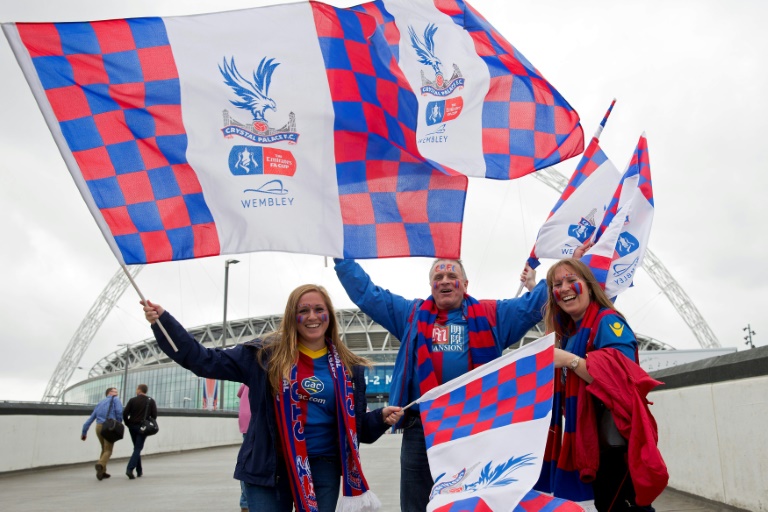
[(579, 212), (486, 430), (190, 137), (626, 227), (483, 108)]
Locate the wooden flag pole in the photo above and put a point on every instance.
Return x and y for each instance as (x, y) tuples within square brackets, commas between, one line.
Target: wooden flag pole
[(141, 295)]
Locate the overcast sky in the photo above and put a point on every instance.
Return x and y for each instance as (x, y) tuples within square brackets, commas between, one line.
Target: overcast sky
[(691, 74)]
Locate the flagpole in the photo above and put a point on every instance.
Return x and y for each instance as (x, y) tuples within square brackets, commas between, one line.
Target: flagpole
[(143, 300), (410, 404), (595, 137), (599, 130)]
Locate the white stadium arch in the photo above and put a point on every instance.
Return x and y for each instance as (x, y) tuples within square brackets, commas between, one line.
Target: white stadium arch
[(354, 324)]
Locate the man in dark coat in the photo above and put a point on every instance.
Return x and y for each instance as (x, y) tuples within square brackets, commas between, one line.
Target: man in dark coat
[(136, 410)]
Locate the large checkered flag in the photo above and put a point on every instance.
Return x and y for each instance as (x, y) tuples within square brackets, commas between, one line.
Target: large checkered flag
[(214, 170), (187, 140), (484, 109), (486, 431)]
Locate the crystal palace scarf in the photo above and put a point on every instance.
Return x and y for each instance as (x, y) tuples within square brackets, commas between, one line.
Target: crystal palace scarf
[(291, 412), (559, 474), (482, 346)]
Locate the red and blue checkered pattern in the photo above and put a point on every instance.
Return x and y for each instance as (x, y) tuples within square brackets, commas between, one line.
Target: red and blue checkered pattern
[(641, 161), (639, 165), (613, 208), (474, 504), (590, 161), (393, 201), (519, 391), (114, 89), (527, 124), (599, 265), (592, 158), (535, 501), (386, 23)]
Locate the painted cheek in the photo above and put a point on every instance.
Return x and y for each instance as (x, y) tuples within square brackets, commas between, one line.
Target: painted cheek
[(576, 287), (556, 292), (434, 285), (324, 317), (300, 319)]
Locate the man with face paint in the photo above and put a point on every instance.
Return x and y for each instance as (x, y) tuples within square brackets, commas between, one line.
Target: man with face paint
[(442, 337)]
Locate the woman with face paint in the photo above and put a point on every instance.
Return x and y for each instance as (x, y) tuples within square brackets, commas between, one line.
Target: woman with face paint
[(308, 406), (596, 364)]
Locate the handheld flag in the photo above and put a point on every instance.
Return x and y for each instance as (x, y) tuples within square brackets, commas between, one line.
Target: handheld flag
[(486, 430), (581, 207), (188, 138), (626, 227), (483, 110)]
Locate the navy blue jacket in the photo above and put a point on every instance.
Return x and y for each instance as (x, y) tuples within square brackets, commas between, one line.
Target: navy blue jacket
[(258, 457)]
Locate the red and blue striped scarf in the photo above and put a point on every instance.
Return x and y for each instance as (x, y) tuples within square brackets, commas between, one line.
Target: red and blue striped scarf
[(559, 473), (291, 413), (482, 346)]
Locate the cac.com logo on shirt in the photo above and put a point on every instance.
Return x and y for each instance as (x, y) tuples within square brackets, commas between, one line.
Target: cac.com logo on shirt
[(312, 385)]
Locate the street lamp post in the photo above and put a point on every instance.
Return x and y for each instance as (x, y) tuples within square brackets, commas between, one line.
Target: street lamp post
[(226, 286), (125, 369), (748, 337)]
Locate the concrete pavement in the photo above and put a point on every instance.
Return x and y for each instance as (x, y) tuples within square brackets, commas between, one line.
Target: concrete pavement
[(202, 481)]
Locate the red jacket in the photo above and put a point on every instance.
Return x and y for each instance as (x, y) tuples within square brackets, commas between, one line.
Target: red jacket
[(623, 387)]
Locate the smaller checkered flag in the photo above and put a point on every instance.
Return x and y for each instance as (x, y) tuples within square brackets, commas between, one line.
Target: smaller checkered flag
[(486, 430)]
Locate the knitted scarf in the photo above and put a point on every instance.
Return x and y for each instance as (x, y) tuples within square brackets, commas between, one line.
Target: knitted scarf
[(482, 346), (291, 413), (560, 472)]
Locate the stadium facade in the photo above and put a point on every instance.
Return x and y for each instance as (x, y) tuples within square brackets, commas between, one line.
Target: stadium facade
[(175, 387)]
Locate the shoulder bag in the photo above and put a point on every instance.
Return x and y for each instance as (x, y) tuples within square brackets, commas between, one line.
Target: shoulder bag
[(112, 430), (148, 426)]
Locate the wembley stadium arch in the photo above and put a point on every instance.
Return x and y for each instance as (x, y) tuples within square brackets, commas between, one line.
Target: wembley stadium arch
[(90, 324)]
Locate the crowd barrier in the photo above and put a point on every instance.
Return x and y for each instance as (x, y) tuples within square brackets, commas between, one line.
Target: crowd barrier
[(34, 435)]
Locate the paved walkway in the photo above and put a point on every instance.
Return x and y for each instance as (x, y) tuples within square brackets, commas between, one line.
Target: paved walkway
[(202, 481)]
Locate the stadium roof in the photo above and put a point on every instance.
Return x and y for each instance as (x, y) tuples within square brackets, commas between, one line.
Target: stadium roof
[(357, 329)]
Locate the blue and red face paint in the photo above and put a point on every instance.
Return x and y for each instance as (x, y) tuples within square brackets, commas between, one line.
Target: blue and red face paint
[(575, 286)]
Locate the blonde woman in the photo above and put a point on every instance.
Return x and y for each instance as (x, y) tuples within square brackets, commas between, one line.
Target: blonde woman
[(308, 406), (600, 422)]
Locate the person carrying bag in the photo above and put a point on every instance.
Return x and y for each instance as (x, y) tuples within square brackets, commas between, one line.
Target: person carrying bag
[(108, 415), (141, 418)]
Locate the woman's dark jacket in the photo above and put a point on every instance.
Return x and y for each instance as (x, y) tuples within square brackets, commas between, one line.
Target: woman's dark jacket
[(258, 457)]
